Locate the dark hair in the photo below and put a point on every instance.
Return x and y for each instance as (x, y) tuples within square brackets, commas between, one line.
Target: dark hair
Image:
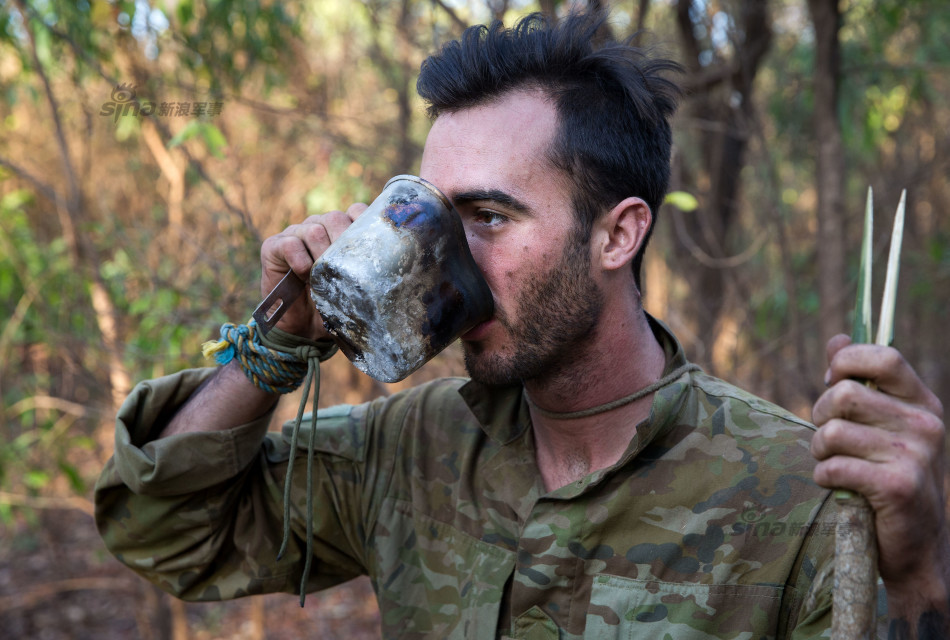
[(613, 138)]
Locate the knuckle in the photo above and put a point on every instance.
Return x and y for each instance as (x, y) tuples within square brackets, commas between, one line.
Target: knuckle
[(846, 396), (849, 389), (830, 473), (933, 404), (817, 446), (903, 484), (931, 428), (355, 209), (340, 220), (833, 434), (825, 406), (269, 243), (334, 216), (317, 233), (820, 474), (318, 217), (819, 412), (282, 240), (890, 359)]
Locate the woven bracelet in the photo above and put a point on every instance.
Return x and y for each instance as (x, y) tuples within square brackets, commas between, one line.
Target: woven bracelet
[(269, 369)]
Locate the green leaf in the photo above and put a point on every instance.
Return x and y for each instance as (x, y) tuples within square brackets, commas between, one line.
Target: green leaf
[(189, 131), (36, 479), (214, 139), (42, 38), (682, 200), (126, 128), (185, 11), (15, 200), (210, 134), (127, 6), (75, 480)]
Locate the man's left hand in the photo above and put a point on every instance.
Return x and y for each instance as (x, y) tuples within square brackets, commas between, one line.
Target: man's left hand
[(884, 439)]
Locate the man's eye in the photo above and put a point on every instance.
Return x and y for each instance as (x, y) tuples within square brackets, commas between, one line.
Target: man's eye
[(490, 218)]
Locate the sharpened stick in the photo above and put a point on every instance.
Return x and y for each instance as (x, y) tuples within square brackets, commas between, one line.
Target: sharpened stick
[(855, 590), (885, 329)]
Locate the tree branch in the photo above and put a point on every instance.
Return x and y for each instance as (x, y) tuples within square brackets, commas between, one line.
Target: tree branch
[(30, 597), (643, 7), (687, 35), (715, 262), (47, 502), (51, 403), (192, 161), (74, 197), (454, 16), (41, 187)]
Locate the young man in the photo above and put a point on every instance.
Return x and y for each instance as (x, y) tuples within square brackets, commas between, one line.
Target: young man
[(524, 502)]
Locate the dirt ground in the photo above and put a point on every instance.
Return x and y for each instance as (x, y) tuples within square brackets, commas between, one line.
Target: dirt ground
[(57, 582)]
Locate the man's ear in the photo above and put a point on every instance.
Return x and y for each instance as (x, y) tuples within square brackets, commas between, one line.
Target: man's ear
[(622, 231)]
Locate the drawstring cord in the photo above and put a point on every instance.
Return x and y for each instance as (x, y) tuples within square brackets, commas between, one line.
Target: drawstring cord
[(312, 357), (620, 402), (278, 363)]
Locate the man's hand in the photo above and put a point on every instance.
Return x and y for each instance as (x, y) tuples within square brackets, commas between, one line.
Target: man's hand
[(886, 442), (229, 399), (296, 248)]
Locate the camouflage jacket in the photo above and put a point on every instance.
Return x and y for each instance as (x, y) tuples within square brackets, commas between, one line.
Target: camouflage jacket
[(709, 526)]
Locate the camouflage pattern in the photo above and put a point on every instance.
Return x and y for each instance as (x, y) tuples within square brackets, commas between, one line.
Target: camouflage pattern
[(708, 527)]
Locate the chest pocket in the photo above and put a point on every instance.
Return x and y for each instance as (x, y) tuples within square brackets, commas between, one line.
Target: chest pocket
[(433, 582), (627, 608)]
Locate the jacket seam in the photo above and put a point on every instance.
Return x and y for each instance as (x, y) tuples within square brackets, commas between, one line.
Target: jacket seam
[(784, 417)]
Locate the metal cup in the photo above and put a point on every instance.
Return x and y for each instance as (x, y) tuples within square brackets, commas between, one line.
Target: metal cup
[(400, 284)]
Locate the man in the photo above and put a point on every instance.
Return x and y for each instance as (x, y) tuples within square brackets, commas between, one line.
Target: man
[(526, 503)]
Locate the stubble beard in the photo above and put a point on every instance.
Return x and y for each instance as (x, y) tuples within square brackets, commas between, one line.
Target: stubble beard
[(557, 311)]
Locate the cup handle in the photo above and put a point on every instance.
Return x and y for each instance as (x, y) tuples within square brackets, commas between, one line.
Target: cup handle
[(273, 307)]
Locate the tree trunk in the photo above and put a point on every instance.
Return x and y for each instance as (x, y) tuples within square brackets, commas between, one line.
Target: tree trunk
[(721, 101), (830, 178), (70, 208), (548, 7)]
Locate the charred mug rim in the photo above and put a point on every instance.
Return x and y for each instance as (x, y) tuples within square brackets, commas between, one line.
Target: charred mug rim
[(425, 183)]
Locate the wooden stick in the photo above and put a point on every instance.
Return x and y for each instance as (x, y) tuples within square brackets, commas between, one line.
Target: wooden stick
[(855, 590)]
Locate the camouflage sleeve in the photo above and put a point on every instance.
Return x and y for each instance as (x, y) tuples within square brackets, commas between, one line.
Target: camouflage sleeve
[(200, 515)]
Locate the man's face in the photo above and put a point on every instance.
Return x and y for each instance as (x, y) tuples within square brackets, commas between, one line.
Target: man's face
[(491, 161)]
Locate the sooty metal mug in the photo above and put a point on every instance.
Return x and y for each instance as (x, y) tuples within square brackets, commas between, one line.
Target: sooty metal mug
[(399, 285)]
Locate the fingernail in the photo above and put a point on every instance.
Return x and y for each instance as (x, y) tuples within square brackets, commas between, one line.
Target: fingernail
[(828, 378)]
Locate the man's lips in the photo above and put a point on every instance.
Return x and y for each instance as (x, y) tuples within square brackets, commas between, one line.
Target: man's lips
[(479, 331)]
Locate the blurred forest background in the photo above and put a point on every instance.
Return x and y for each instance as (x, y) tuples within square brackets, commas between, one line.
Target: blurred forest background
[(148, 146)]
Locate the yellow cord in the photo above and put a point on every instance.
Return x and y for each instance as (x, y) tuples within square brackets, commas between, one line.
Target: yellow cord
[(212, 347)]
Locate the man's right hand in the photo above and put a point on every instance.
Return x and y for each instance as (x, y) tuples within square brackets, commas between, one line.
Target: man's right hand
[(229, 399), (296, 248)]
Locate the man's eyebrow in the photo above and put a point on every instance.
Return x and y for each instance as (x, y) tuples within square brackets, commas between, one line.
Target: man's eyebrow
[(491, 195)]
